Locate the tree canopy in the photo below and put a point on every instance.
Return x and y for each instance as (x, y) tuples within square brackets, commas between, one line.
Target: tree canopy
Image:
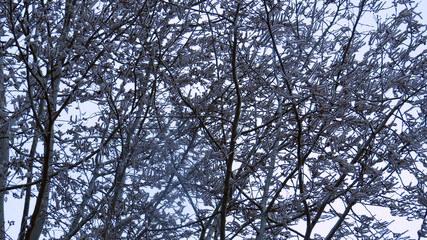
[(212, 119)]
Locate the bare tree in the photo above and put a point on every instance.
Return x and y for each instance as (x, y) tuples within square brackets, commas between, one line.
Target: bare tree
[(212, 119)]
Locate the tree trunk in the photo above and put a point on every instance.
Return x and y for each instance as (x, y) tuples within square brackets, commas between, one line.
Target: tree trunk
[(4, 144)]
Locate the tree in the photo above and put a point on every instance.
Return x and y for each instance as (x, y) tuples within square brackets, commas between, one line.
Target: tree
[(212, 119)]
